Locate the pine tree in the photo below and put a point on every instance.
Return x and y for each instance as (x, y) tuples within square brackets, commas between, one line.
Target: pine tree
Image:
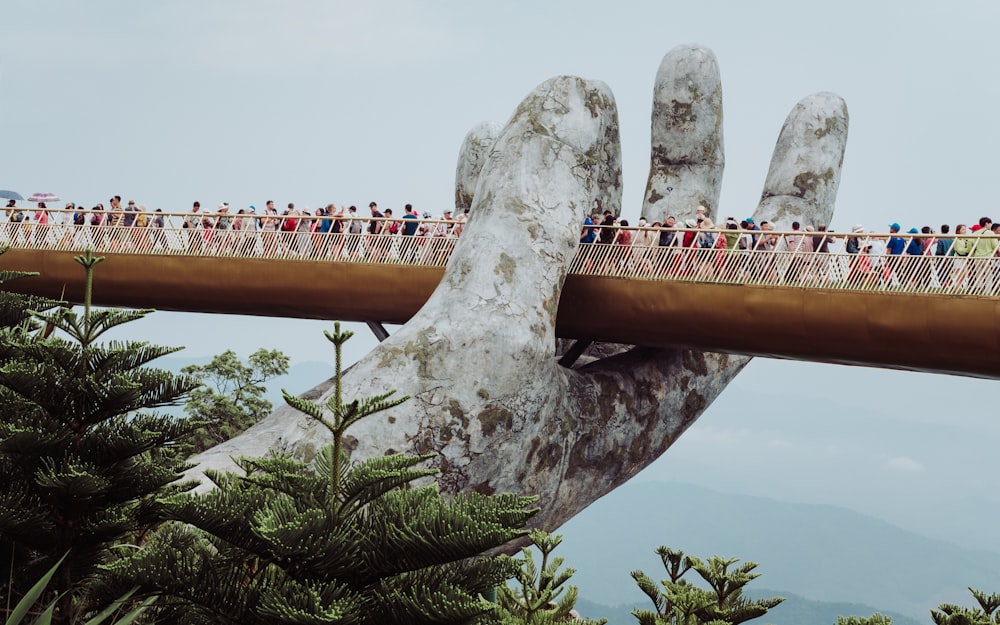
[(538, 598), (82, 448), (15, 308), (682, 603), (330, 542), (987, 611)]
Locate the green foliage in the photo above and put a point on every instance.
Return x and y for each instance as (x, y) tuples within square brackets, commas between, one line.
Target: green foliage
[(82, 449), (230, 397), (15, 308), (682, 603), (332, 542), (984, 614), (536, 601), (874, 619), (22, 610)]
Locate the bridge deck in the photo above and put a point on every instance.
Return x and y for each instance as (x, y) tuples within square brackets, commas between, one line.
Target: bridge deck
[(936, 332)]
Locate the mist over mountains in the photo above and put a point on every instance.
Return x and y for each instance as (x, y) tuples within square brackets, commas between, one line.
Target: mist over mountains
[(818, 552)]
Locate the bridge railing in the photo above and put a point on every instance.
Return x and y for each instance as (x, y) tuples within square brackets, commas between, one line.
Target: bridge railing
[(781, 259)]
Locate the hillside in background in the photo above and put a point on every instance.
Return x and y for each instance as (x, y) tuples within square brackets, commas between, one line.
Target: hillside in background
[(821, 553), (793, 611)]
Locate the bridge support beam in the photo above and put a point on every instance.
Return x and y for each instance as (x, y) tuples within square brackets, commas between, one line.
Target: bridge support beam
[(378, 330), (573, 353)]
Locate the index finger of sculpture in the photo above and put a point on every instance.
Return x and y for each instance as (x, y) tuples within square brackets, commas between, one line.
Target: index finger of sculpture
[(688, 156), (476, 148), (477, 359), (557, 157)]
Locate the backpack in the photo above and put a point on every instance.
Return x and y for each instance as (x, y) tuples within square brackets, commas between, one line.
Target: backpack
[(17, 216)]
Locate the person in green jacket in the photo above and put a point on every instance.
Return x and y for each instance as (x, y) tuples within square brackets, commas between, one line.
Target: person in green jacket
[(984, 248)]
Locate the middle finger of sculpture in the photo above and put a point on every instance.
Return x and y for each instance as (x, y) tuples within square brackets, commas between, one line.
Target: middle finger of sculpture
[(479, 361)]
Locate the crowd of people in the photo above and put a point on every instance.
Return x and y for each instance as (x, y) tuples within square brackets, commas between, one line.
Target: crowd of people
[(292, 231), (702, 248), (877, 256)]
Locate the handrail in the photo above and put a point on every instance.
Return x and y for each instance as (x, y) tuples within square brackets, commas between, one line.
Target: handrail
[(771, 258)]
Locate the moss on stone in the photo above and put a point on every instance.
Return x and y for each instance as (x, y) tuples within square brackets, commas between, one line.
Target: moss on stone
[(809, 181), (681, 113), (455, 410), (445, 434), (548, 457), (506, 266), (306, 451), (389, 356), (419, 351), (693, 406), (424, 442), (491, 419), (483, 488), (694, 361), (830, 124)]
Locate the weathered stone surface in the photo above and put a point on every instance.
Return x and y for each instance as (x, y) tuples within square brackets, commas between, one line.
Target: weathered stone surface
[(478, 359), (474, 152), (688, 155), (805, 169)]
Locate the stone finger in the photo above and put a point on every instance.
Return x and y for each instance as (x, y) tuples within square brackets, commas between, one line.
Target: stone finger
[(475, 150), (688, 155), (804, 175)]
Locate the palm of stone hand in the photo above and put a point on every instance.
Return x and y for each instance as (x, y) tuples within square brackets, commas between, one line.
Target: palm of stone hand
[(478, 359)]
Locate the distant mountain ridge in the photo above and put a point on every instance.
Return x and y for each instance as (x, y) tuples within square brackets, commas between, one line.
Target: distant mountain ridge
[(794, 610), (818, 552)]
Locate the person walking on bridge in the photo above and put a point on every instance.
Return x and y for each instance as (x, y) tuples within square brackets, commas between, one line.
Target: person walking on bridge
[(192, 223), (894, 253), (984, 249)]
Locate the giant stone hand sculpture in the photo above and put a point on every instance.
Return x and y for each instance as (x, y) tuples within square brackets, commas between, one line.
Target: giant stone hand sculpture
[(479, 359)]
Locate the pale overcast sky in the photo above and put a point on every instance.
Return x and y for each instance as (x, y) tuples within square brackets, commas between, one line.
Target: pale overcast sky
[(317, 101)]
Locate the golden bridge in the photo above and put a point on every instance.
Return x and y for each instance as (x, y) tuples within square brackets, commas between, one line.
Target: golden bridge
[(925, 313)]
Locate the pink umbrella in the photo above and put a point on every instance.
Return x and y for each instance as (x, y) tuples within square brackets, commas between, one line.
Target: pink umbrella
[(43, 197)]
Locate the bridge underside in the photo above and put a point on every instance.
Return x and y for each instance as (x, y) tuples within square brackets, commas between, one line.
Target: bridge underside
[(949, 334)]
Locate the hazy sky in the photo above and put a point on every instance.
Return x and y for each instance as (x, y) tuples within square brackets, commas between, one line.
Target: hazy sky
[(318, 101)]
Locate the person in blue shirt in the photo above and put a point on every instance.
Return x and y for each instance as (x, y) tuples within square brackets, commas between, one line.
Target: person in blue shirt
[(915, 246), (589, 233), (409, 221), (894, 249), (896, 244)]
